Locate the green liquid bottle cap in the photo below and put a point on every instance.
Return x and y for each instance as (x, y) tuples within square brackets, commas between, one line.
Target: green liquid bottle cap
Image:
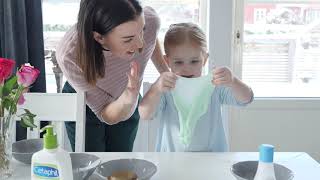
[(50, 140)]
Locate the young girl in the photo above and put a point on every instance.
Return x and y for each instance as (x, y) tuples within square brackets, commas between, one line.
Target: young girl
[(196, 124)]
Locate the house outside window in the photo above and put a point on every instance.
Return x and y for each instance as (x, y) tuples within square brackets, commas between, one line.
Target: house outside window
[(260, 15), (281, 57)]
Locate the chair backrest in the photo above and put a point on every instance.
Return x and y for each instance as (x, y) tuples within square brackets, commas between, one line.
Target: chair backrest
[(147, 131), (57, 108)]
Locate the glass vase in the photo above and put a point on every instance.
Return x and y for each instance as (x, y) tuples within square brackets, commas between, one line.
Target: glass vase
[(6, 124)]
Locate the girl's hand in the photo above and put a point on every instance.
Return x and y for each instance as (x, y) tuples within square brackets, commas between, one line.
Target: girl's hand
[(222, 76), (165, 82), (133, 86)]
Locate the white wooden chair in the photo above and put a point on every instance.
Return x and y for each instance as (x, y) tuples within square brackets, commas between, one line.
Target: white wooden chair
[(147, 132), (57, 108)]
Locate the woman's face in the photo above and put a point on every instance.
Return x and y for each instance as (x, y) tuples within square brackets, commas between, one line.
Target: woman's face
[(125, 39)]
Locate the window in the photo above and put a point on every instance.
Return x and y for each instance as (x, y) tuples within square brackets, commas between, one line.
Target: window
[(60, 15), (171, 12), (281, 57)]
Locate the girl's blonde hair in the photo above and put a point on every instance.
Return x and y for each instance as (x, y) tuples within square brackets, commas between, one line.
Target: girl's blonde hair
[(184, 33)]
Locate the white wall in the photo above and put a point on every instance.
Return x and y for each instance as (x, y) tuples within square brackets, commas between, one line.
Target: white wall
[(288, 124), (220, 24)]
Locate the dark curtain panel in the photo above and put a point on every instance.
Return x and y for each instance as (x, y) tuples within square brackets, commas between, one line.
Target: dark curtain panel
[(21, 38)]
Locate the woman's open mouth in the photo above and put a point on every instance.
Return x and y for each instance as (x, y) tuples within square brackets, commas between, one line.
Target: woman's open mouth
[(130, 52)]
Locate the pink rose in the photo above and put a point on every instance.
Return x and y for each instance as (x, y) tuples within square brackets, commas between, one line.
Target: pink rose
[(6, 66), (21, 99), (27, 75)]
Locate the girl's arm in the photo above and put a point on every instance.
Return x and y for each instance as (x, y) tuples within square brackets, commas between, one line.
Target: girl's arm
[(151, 99), (241, 91), (223, 76), (149, 103)]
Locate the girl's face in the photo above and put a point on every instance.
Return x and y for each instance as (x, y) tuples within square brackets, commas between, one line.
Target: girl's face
[(186, 60), (125, 39)]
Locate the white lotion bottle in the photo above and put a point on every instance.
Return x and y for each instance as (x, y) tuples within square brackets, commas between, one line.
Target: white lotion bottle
[(51, 162), (265, 170)]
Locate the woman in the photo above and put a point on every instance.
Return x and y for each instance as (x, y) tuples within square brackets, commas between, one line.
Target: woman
[(105, 55)]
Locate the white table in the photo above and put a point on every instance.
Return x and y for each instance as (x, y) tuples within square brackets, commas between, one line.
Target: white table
[(193, 166)]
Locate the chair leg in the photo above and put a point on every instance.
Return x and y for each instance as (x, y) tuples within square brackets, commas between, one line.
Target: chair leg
[(35, 133)]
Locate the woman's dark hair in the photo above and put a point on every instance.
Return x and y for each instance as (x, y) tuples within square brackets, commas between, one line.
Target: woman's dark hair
[(100, 16)]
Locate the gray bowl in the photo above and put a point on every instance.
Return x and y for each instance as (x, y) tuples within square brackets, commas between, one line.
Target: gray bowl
[(23, 150), (246, 170), (144, 169), (83, 165)]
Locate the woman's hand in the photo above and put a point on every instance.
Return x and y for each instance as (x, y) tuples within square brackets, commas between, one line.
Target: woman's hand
[(132, 90), (165, 82), (123, 108), (222, 76)]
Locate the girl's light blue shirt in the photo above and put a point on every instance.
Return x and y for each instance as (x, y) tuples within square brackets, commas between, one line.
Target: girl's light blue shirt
[(208, 135)]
